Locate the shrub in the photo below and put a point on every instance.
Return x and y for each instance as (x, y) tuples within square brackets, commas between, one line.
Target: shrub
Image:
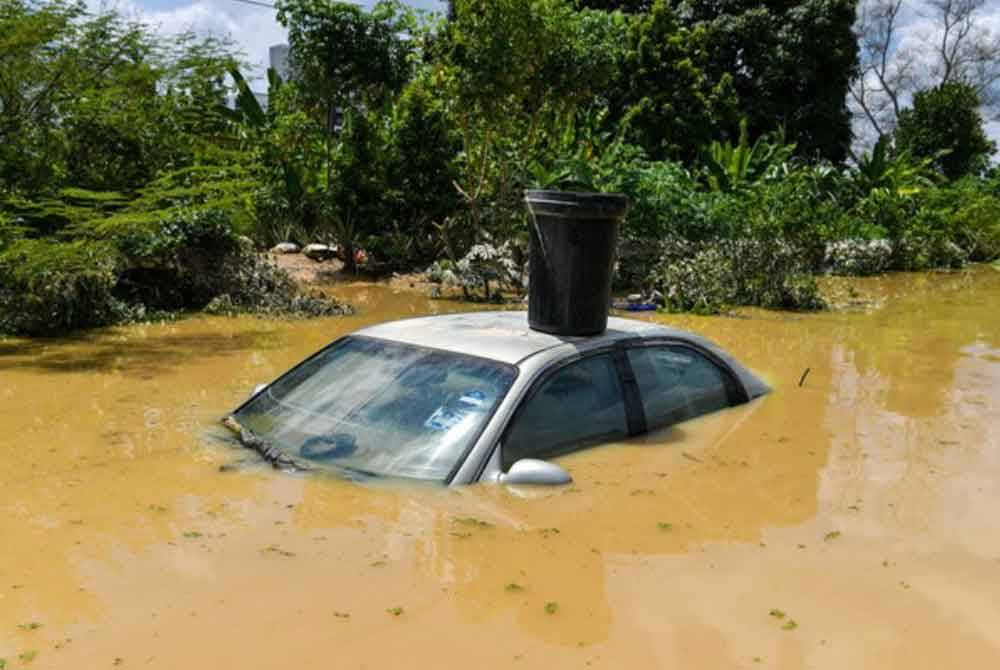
[(249, 284), (47, 287), (8, 231), (707, 277), (858, 257), (169, 263), (635, 262), (977, 227), (482, 267), (925, 253), (666, 201)]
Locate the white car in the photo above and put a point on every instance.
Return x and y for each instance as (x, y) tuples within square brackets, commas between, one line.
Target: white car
[(480, 396)]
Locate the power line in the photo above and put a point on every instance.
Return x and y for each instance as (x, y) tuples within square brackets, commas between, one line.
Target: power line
[(254, 2)]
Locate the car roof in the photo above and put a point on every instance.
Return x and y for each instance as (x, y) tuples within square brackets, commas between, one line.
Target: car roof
[(502, 336)]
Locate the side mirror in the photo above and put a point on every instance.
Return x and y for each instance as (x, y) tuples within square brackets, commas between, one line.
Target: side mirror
[(257, 389), (533, 472)]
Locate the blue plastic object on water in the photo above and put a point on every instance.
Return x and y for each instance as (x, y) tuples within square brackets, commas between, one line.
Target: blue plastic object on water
[(635, 306)]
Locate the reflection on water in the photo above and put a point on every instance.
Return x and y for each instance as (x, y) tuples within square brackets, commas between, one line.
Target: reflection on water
[(860, 504)]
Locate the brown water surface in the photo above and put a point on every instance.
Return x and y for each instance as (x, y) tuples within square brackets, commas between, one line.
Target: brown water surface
[(850, 522)]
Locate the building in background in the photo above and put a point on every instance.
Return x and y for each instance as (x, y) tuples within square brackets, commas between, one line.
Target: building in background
[(279, 61)]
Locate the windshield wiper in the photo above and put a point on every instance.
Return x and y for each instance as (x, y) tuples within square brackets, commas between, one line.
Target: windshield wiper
[(270, 453)]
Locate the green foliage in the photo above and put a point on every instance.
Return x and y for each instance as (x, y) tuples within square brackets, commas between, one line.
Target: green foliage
[(49, 213), (345, 55), (419, 185), (663, 93), (791, 64), (97, 100), (892, 174), (146, 239), (289, 158), (8, 231), (944, 127), (977, 226), (710, 277), (223, 184), (126, 182), (729, 165), (517, 75), (48, 287)]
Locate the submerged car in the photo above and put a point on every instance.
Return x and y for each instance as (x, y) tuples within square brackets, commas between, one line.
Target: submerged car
[(475, 397)]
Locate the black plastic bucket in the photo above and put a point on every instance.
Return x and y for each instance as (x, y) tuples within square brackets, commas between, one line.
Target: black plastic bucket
[(573, 244)]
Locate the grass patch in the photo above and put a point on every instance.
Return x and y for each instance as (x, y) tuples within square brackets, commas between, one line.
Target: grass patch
[(551, 607)]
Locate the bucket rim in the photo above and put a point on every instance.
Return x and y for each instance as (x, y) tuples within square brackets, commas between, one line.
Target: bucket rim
[(579, 204)]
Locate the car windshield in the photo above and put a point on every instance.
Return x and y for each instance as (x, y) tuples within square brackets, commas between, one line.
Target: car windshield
[(380, 408)]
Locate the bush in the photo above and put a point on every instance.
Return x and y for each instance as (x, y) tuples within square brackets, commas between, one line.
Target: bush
[(8, 231), (127, 266), (977, 227), (249, 284), (665, 201), (170, 263), (47, 287), (858, 257), (710, 276), (482, 267)]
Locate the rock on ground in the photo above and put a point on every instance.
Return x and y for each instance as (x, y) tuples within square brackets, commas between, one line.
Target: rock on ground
[(319, 252)]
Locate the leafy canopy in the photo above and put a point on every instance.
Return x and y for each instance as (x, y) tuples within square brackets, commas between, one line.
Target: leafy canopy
[(945, 127)]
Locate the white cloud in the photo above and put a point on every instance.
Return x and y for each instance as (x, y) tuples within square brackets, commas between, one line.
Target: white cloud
[(918, 32), (252, 28)]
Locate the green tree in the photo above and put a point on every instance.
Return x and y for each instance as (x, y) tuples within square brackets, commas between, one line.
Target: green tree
[(631, 6), (98, 100), (791, 62), (344, 56), (348, 65), (517, 74), (945, 127), (664, 95)]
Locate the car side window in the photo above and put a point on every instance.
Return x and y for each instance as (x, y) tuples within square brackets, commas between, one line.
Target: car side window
[(677, 383), (578, 405)]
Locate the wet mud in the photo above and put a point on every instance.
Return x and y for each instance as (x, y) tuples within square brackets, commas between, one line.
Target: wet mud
[(848, 520)]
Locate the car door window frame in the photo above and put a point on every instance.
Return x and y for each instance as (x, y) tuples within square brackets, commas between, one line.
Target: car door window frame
[(635, 413), (634, 417), (736, 394)]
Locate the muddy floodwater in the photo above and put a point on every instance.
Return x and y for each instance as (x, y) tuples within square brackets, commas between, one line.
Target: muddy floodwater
[(850, 522)]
